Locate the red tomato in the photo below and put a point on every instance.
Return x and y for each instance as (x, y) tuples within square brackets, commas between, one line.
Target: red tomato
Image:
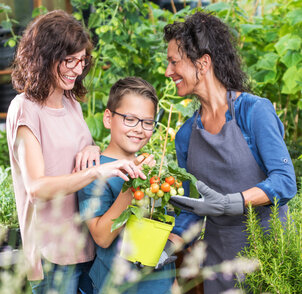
[(165, 187), (134, 189), (138, 195), (154, 179), (170, 180), (154, 188)]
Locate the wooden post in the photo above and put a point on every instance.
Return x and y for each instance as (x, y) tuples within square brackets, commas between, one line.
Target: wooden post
[(37, 3)]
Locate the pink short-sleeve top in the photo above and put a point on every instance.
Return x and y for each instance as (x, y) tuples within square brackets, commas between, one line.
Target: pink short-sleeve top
[(50, 229)]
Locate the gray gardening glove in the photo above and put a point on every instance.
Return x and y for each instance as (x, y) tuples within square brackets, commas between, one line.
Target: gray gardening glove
[(166, 256), (211, 202)]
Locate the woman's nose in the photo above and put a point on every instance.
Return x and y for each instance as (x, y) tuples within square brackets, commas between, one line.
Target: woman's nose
[(78, 69), (168, 71)]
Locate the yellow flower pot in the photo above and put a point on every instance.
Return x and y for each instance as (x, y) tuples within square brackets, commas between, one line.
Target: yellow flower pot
[(144, 239)]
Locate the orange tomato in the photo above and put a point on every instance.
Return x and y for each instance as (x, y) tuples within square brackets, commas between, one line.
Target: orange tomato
[(145, 154), (170, 180), (138, 195), (178, 183), (154, 179), (165, 187), (154, 188)]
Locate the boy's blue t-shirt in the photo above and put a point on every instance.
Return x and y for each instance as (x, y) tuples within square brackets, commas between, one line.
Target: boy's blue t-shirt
[(92, 204)]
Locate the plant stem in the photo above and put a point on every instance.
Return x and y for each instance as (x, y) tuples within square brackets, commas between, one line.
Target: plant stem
[(164, 151)]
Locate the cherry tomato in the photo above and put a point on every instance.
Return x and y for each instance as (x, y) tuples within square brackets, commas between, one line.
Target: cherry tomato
[(173, 192), (134, 189), (160, 193), (165, 187), (178, 183), (181, 191), (154, 188), (154, 179), (138, 195), (145, 154), (170, 180)]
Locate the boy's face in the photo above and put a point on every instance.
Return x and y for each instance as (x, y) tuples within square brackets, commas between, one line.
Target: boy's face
[(126, 141)]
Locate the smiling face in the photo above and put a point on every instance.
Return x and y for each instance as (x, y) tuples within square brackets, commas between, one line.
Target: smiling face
[(68, 76), (126, 141), (181, 70)]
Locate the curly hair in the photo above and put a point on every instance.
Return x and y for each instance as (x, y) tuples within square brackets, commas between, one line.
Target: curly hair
[(49, 39), (131, 85), (202, 33)]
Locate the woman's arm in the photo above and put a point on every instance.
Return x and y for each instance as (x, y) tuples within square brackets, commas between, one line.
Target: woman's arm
[(29, 154)]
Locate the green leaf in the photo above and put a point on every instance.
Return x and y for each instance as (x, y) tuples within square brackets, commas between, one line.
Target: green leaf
[(218, 6), (247, 28), (265, 77), (268, 61), (291, 79), (288, 42), (137, 211), (121, 220), (291, 58), (295, 16), (95, 125)]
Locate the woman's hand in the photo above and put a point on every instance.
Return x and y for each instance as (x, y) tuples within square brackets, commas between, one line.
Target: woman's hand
[(86, 157), (120, 168)]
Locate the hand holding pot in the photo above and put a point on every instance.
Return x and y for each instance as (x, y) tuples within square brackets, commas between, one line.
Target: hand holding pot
[(211, 202)]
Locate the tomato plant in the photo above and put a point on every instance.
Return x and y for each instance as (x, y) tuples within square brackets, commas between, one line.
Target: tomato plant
[(156, 190)]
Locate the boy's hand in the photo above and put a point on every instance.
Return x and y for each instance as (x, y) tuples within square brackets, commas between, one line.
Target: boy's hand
[(142, 159), (120, 168)]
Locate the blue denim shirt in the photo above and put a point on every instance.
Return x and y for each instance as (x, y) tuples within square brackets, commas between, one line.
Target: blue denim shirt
[(263, 132), (101, 268)]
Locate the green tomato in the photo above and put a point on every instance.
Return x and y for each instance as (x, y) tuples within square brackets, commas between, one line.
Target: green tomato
[(173, 192), (181, 191), (133, 201), (160, 193), (140, 203)]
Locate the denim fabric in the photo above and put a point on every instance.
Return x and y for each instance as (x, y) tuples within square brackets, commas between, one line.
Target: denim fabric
[(65, 279), (263, 132)]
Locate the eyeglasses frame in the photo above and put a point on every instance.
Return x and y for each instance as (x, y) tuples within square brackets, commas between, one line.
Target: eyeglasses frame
[(138, 120), (86, 57)]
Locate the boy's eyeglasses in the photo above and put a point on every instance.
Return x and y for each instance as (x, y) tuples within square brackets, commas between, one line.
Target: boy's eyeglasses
[(72, 62), (132, 121)]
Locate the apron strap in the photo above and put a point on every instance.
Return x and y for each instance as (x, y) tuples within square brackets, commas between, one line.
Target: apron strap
[(231, 97)]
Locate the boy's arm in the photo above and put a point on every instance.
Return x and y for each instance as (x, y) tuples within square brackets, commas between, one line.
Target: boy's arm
[(100, 227)]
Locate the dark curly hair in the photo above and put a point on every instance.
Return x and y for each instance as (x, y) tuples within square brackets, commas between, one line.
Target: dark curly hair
[(202, 33), (49, 39)]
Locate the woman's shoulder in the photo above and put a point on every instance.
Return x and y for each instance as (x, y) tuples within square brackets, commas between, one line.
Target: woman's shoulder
[(249, 100), (187, 126)]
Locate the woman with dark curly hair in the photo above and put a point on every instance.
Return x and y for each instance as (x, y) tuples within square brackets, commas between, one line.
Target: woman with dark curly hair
[(46, 132), (233, 144)]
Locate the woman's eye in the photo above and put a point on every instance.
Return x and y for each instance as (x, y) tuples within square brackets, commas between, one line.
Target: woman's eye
[(69, 60)]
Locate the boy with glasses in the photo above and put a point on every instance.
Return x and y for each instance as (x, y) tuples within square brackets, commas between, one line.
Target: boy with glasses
[(129, 115)]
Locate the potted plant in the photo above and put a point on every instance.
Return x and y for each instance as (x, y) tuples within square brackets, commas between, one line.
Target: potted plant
[(147, 223)]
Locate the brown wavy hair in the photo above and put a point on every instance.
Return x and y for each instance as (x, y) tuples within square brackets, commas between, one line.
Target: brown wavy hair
[(49, 39)]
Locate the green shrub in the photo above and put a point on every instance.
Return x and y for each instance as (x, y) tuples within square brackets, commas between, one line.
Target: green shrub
[(4, 155), (278, 252), (8, 212)]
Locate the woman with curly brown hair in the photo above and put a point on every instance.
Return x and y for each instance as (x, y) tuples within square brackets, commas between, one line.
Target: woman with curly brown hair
[(50, 146), (233, 144)]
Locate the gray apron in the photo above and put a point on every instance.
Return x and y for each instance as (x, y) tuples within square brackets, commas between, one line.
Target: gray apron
[(226, 164)]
